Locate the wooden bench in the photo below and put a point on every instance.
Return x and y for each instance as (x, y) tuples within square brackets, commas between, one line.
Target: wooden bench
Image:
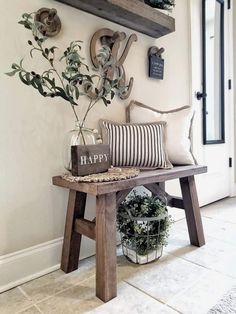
[(108, 197)]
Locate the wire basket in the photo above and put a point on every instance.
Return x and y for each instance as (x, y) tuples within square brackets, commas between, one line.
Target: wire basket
[(144, 244), (143, 222)]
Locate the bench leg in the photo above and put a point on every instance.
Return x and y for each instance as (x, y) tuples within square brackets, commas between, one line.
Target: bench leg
[(106, 285), (192, 211), (162, 185), (72, 240)]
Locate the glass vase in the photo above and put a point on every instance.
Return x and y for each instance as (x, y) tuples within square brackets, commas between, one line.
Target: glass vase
[(80, 135)]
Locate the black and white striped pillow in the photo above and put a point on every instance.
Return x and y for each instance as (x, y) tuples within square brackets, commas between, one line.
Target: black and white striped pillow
[(138, 145)]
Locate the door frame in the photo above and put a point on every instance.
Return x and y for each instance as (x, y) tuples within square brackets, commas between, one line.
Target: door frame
[(222, 71), (195, 17)]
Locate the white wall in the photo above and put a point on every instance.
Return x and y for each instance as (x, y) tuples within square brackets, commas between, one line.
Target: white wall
[(32, 127)]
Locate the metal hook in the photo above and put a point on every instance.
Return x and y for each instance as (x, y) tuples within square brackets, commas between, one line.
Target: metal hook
[(51, 23), (155, 51)]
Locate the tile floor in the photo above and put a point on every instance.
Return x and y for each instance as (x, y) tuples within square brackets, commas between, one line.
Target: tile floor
[(185, 280)]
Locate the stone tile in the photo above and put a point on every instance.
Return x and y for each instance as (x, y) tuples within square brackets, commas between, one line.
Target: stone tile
[(203, 295), (126, 269), (178, 236), (226, 265), (188, 281), (221, 230), (131, 300), (179, 244), (176, 213), (165, 309), (79, 299), (13, 301), (224, 210), (177, 240), (178, 226), (31, 310), (224, 231), (57, 281), (91, 260), (217, 255), (168, 277)]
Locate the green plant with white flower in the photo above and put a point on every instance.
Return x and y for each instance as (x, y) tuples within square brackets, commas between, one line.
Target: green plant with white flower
[(144, 223), (75, 80)]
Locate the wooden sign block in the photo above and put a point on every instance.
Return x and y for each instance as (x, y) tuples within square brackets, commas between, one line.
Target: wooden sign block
[(156, 67), (89, 159)]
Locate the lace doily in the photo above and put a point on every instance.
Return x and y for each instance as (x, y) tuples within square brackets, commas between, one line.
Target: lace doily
[(113, 174)]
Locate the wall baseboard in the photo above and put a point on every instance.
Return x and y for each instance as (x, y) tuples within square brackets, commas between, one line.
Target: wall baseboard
[(36, 261), (24, 265)]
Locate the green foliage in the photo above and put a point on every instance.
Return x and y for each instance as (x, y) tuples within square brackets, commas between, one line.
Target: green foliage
[(144, 223), (75, 80), (161, 4)]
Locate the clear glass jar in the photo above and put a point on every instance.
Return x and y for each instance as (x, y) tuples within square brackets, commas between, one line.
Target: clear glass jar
[(80, 135)]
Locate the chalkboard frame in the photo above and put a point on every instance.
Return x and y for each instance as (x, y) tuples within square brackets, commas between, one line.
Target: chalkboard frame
[(154, 72)]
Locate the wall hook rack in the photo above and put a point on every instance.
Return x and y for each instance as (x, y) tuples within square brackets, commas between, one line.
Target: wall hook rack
[(155, 51), (51, 23)]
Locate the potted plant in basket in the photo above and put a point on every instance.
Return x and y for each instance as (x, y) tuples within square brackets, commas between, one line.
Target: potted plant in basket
[(143, 223), (74, 81)]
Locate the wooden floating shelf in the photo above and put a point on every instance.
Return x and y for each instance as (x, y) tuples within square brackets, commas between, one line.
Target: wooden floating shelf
[(133, 14)]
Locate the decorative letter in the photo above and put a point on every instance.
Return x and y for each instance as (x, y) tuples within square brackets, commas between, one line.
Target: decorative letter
[(83, 160), (100, 158), (113, 39), (95, 157)]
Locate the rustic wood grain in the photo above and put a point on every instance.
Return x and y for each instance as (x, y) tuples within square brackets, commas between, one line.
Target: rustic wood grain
[(86, 227), (145, 177), (114, 40), (162, 185), (192, 211), (121, 195), (72, 240), (101, 163), (106, 287), (177, 202), (157, 190), (108, 196), (133, 14)]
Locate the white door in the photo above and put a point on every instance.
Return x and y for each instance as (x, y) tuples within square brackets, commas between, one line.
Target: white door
[(216, 184)]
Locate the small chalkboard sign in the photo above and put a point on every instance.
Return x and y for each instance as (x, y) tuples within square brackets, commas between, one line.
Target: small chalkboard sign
[(156, 67)]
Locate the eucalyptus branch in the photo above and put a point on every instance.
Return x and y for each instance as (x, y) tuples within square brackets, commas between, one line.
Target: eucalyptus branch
[(50, 60), (90, 106), (72, 106), (75, 80)]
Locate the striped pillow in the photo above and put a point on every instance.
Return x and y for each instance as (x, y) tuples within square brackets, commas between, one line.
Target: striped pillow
[(138, 145)]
